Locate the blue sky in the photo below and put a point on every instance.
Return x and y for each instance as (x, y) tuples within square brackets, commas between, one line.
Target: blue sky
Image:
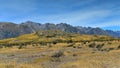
[(94, 13)]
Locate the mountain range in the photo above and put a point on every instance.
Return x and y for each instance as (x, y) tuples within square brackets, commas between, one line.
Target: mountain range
[(10, 30)]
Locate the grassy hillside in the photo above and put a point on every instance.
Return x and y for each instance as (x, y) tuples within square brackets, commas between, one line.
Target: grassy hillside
[(58, 49), (50, 36)]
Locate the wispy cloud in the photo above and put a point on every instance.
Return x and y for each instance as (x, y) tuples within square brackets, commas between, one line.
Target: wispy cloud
[(83, 18)]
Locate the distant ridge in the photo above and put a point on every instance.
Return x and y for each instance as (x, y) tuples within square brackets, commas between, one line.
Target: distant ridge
[(10, 30)]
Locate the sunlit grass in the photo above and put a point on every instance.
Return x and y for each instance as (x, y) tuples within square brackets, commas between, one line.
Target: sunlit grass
[(15, 65)]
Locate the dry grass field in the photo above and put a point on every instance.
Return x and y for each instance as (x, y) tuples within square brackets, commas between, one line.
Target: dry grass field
[(60, 50), (62, 55)]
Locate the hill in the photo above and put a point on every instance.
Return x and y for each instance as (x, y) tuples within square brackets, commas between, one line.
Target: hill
[(53, 36)]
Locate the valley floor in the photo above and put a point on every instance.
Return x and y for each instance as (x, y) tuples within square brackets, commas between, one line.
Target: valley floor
[(62, 55)]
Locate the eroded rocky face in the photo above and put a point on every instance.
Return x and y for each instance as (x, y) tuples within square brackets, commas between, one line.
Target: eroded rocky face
[(9, 30)]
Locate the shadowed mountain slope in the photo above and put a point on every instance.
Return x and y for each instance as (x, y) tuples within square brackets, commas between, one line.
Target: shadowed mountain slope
[(10, 30)]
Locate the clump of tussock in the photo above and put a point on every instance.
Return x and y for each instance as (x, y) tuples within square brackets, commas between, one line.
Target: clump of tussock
[(99, 46), (118, 47), (92, 45), (58, 54), (71, 44)]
